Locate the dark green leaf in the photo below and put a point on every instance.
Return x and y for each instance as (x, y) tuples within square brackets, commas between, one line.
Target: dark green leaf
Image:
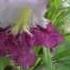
[(3, 63)]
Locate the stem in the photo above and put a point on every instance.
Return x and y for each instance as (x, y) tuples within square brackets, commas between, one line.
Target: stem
[(48, 59), (38, 60)]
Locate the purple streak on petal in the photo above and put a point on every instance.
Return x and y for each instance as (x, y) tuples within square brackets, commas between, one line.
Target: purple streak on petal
[(19, 48), (38, 34), (26, 40), (49, 37), (26, 58)]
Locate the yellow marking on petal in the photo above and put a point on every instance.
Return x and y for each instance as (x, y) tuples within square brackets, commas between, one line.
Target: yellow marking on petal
[(23, 22)]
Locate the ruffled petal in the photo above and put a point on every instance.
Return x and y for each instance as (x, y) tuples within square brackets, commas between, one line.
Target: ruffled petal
[(48, 36)]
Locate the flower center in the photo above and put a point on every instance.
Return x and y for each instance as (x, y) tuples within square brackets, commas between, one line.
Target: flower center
[(23, 22)]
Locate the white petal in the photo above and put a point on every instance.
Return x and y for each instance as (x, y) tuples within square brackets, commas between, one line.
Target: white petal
[(9, 9)]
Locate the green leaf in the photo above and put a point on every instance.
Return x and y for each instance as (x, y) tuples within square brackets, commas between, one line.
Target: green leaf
[(57, 13), (62, 53), (47, 59), (55, 3), (61, 66), (67, 38), (3, 63), (61, 57), (36, 64), (41, 67)]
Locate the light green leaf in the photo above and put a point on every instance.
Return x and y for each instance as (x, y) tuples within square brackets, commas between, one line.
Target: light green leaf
[(47, 58)]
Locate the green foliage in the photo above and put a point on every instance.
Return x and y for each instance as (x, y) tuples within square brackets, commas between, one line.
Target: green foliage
[(58, 15), (4, 62), (56, 12), (47, 59), (61, 57)]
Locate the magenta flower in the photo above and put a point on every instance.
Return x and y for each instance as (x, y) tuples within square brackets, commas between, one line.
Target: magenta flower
[(48, 36), (18, 48), (27, 56)]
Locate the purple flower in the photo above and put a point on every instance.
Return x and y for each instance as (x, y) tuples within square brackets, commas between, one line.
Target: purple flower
[(27, 56), (17, 48), (48, 36)]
